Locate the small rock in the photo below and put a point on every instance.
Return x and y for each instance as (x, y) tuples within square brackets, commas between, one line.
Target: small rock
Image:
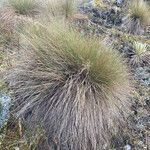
[(4, 109), (17, 148), (127, 147)]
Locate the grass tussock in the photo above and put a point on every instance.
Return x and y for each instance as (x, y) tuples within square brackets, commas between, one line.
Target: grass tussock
[(57, 8), (75, 87), (23, 7), (140, 9), (139, 12)]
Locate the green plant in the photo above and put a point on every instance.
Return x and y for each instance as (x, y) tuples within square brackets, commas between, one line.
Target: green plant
[(140, 48), (141, 54), (23, 7), (74, 86), (98, 2), (139, 12)]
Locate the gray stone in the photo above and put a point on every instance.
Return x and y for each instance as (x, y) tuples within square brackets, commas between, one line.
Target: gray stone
[(120, 2), (127, 147), (4, 108)]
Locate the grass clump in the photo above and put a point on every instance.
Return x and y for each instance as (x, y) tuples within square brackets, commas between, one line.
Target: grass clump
[(23, 7), (57, 8), (139, 12), (140, 9), (141, 54), (74, 86)]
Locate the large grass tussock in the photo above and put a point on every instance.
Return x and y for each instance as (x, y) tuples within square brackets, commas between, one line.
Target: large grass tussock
[(75, 87)]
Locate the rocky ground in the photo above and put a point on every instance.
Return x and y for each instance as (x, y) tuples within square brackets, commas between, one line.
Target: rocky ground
[(108, 23)]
